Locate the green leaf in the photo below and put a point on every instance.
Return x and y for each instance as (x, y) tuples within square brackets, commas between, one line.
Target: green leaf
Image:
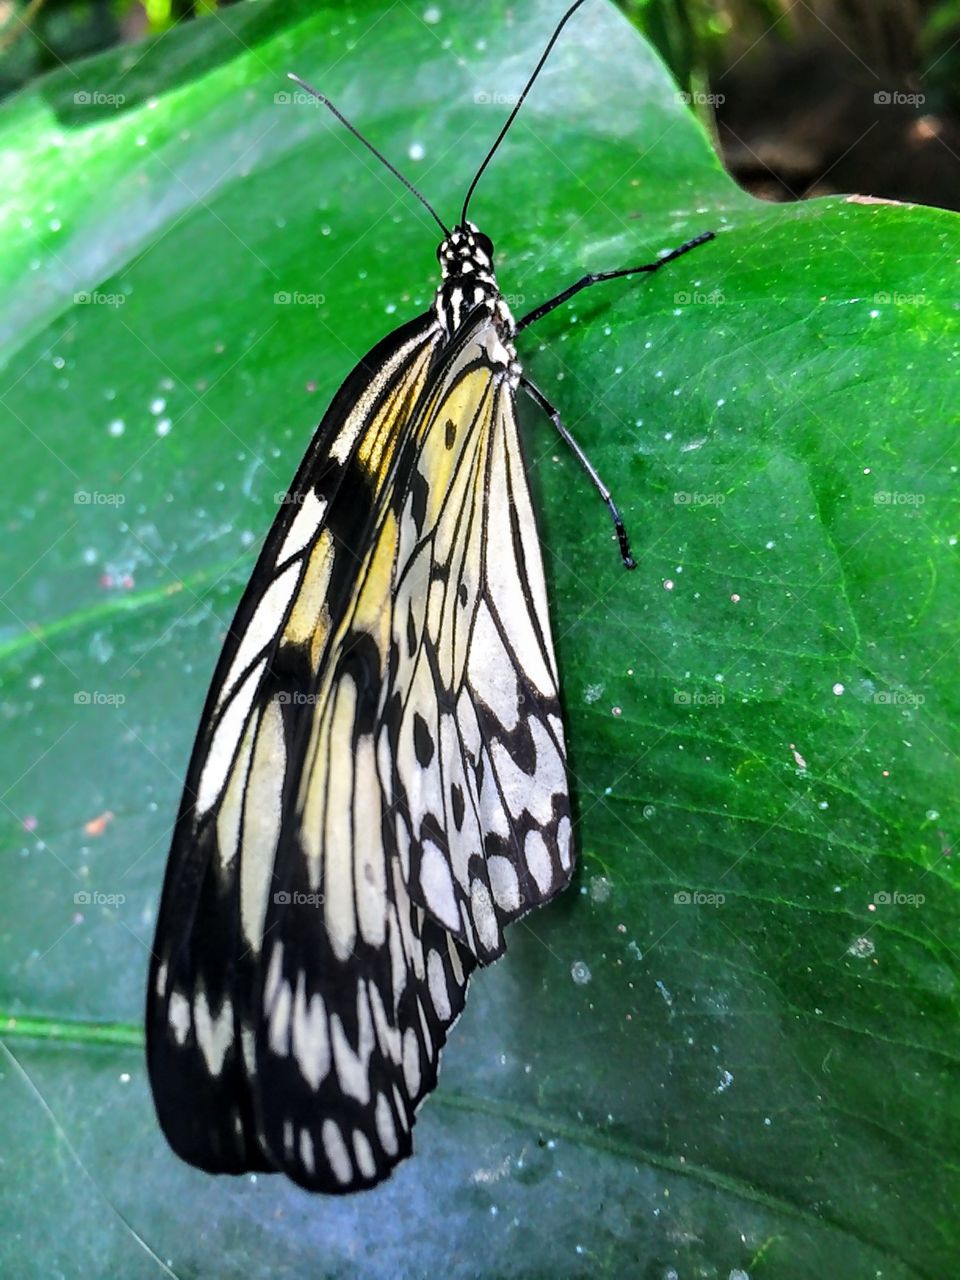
[(732, 1047)]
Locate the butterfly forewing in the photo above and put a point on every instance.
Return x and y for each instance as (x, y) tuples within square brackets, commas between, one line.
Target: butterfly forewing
[(378, 785)]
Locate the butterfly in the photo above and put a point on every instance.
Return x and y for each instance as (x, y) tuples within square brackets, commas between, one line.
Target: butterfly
[(378, 785)]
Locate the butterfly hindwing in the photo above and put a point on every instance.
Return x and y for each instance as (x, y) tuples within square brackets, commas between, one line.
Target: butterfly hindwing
[(487, 821)]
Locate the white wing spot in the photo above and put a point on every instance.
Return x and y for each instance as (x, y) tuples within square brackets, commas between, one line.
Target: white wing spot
[(261, 823), (411, 1061), (504, 883), (437, 980), (336, 1151), (214, 1031), (370, 868), (565, 843), (353, 1068), (435, 611), (538, 860), (303, 526), (224, 743), (278, 1033), (363, 1153), (493, 815), (249, 1046), (311, 1040), (437, 885), (491, 671), (338, 892), (274, 974), (403, 847), (386, 1128), (178, 1016), (307, 1157), (484, 915)]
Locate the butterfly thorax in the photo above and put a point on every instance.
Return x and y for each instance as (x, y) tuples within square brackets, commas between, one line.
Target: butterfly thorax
[(468, 282)]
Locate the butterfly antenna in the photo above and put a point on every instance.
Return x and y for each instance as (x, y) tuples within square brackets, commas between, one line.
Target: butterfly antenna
[(322, 97), (519, 103)]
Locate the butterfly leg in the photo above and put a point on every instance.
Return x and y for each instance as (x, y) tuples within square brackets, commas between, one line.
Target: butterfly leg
[(595, 277), (538, 398)]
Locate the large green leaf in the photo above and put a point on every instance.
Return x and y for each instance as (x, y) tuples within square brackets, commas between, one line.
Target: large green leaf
[(732, 1049)]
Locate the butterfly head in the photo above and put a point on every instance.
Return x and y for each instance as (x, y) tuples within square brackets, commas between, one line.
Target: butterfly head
[(466, 251)]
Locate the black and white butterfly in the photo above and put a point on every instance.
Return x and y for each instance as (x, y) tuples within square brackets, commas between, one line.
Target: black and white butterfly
[(378, 785)]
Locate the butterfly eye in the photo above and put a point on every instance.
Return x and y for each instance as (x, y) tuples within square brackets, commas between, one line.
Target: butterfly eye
[(484, 244)]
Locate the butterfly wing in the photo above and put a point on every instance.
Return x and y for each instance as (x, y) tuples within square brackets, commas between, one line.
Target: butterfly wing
[(485, 818), (202, 992), (378, 785)]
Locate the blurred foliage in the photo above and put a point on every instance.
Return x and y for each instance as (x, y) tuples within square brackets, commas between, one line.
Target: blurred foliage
[(696, 38), (792, 91), (940, 51), (38, 35)]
